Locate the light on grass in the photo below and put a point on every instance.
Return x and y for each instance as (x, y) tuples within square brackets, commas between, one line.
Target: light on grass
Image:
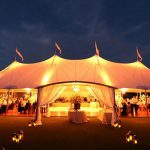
[(130, 138), (29, 124), (134, 139), (32, 123), (16, 137), (117, 124)]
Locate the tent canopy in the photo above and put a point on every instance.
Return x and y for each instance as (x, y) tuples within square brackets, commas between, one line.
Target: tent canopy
[(92, 70)]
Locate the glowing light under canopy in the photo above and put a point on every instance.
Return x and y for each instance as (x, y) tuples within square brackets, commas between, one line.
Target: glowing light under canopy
[(106, 78), (124, 90), (76, 88), (28, 90), (46, 78)]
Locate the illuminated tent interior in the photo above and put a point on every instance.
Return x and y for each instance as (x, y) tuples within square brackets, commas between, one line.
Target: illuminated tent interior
[(62, 96), (49, 75)]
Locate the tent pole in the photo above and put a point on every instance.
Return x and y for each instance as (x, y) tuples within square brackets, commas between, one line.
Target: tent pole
[(114, 113), (47, 110), (8, 93), (38, 115), (146, 102)]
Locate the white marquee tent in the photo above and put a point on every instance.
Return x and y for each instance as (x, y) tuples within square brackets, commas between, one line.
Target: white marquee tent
[(48, 75)]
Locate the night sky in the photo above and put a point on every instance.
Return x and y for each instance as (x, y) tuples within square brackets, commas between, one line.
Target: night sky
[(118, 26)]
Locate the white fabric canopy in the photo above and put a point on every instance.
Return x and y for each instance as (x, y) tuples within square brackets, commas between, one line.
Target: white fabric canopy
[(93, 70), (49, 93), (102, 93)]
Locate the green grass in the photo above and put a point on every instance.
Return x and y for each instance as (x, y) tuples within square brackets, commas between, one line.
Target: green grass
[(57, 133)]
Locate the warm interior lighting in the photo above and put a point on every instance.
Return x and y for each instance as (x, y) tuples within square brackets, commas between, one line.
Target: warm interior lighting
[(76, 88), (28, 90), (106, 78), (46, 78), (124, 90)]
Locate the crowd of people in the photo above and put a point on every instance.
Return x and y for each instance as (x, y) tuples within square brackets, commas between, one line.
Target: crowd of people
[(22, 105), (27, 104), (134, 106)]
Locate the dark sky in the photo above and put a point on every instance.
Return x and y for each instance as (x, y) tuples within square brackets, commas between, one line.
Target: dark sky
[(33, 26)]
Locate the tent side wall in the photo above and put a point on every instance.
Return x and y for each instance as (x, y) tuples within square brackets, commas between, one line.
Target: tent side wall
[(48, 94)]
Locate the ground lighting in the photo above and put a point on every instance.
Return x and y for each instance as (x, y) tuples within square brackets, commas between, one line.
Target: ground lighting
[(131, 138), (32, 123), (117, 124), (16, 137)]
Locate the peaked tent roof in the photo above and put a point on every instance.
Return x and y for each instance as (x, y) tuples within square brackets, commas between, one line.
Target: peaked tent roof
[(94, 70)]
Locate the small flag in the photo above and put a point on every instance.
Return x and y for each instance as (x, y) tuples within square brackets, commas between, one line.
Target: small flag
[(97, 50), (58, 48), (139, 57), (19, 54)]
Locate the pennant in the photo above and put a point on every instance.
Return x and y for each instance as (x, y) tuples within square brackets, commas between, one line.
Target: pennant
[(58, 48), (139, 57), (96, 49), (19, 54)]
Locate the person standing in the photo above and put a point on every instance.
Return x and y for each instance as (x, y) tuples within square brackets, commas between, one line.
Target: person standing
[(134, 106)]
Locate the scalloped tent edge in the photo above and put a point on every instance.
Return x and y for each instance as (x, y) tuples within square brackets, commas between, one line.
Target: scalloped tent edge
[(94, 70)]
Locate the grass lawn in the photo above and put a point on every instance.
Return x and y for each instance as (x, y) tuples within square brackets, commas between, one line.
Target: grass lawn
[(57, 133)]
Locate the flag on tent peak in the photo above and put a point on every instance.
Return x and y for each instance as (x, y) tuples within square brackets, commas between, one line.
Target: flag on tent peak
[(96, 49), (19, 54), (139, 57), (58, 48)]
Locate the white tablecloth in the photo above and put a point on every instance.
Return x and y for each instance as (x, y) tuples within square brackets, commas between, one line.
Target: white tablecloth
[(94, 104), (105, 116), (77, 116)]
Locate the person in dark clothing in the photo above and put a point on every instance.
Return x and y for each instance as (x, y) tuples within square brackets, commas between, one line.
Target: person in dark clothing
[(77, 105), (124, 109)]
